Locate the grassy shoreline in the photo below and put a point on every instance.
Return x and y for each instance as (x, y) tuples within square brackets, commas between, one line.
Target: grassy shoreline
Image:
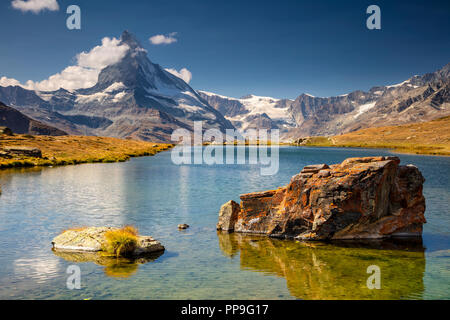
[(427, 138), (69, 150)]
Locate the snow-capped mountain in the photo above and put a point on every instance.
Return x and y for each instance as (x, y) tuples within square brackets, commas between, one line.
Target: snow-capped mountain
[(252, 112), (420, 98), (133, 98)]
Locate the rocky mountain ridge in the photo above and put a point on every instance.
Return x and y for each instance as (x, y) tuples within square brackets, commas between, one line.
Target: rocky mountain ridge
[(19, 123), (136, 98), (420, 98)]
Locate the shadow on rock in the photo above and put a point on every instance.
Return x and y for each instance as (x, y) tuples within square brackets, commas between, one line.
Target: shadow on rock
[(120, 267), (317, 270)]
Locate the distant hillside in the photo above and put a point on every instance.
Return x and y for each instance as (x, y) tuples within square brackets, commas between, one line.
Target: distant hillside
[(432, 137), (20, 123)]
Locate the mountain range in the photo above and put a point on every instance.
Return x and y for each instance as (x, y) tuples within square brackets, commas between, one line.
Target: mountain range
[(133, 98), (138, 99), (420, 98)]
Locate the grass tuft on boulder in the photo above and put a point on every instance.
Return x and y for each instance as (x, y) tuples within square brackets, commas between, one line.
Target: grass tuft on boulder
[(121, 242)]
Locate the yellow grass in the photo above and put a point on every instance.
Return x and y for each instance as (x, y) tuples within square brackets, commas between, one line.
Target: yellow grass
[(432, 137), (65, 150), (121, 242)]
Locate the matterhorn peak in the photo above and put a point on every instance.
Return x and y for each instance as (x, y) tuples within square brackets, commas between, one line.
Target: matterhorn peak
[(133, 97), (130, 39)]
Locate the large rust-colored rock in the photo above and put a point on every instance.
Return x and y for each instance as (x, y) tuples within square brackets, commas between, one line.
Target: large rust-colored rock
[(361, 198)]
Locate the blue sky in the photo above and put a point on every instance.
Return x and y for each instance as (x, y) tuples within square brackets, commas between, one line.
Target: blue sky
[(271, 48)]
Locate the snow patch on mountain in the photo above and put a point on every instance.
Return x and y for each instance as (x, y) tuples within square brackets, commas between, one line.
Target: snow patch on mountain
[(44, 95), (217, 95), (267, 105), (116, 86), (119, 96), (98, 96), (400, 84), (364, 108), (255, 105)]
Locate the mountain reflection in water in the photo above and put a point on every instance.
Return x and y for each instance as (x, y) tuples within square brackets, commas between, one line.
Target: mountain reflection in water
[(315, 270)]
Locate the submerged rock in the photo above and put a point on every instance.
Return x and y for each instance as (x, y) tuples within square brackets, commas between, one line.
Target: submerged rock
[(361, 198), (92, 239)]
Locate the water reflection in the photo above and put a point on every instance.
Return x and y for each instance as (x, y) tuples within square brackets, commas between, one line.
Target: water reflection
[(114, 267), (39, 269), (333, 271)]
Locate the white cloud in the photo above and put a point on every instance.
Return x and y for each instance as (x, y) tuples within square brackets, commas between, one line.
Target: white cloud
[(84, 74), (71, 78), (35, 6), (163, 39), (104, 55), (6, 82), (184, 74)]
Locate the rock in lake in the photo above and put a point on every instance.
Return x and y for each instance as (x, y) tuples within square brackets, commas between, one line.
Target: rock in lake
[(93, 239), (228, 216), (361, 198)]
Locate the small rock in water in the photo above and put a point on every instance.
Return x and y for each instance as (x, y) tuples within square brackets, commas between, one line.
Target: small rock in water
[(92, 239), (183, 226), (228, 216)]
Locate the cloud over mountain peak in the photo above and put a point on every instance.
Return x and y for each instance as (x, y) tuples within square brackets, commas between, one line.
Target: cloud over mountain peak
[(82, 75)]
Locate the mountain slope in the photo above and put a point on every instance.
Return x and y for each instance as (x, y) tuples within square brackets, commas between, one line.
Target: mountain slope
[(430, 137), (133, 98), (19, 123), (420, 98), (248, 111)]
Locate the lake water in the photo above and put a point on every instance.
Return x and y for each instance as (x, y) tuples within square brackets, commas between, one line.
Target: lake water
[(155, 195)]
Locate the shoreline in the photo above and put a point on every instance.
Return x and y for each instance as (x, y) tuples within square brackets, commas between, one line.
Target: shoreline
[(425, 138), (418, 150), (393, 149), (71, 150)]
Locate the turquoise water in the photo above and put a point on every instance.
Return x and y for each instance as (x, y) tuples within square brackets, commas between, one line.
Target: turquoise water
[(155, 195)]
